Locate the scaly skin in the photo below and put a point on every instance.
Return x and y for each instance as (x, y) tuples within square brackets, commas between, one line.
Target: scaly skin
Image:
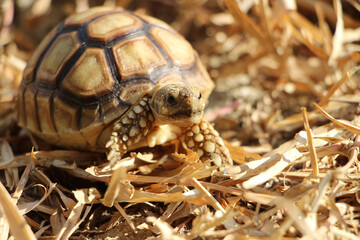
[(178, 106), (134, 126), (203, 139), (130, 129)]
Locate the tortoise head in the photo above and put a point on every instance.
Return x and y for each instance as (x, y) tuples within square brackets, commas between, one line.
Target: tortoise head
[(177, 104)]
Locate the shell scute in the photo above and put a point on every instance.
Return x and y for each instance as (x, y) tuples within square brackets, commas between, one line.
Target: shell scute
[(177, 48), (31, 118), (83, 17), (65, 117), (30, 67), (90, 76), (57, 55), (138, 56), (89, 116), (112, 109), (115, 25), (20, 107), (133, 92), (172, 77), (155, 21), (43, 99), (91, 134)]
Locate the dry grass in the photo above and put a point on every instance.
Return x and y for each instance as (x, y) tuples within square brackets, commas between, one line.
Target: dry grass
[(297, 174)]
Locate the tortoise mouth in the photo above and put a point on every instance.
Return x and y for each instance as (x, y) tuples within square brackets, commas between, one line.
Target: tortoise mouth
[(182, 114), (182, 118)]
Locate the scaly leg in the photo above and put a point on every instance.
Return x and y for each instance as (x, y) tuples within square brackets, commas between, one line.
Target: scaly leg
[(130, 129), (206, 142)]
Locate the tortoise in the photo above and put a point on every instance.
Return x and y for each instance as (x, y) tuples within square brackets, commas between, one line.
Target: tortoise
[(113, 80)]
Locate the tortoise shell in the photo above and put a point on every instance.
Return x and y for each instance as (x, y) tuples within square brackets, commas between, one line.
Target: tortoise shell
[(92, 67)]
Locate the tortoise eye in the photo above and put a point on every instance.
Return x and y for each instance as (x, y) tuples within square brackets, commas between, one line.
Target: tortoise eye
[(199, 97), (171, 100)]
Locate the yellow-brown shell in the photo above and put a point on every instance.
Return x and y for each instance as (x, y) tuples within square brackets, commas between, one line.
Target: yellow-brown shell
[(91, 68)]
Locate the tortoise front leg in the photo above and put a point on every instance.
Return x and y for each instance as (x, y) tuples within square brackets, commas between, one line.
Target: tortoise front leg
[(206, 142), (130, 129)]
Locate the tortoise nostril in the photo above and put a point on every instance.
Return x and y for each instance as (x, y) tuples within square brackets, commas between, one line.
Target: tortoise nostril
[(171, 100), (199, 97)]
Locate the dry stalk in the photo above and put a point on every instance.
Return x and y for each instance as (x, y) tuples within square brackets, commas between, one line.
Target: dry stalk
[(313, 157)]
